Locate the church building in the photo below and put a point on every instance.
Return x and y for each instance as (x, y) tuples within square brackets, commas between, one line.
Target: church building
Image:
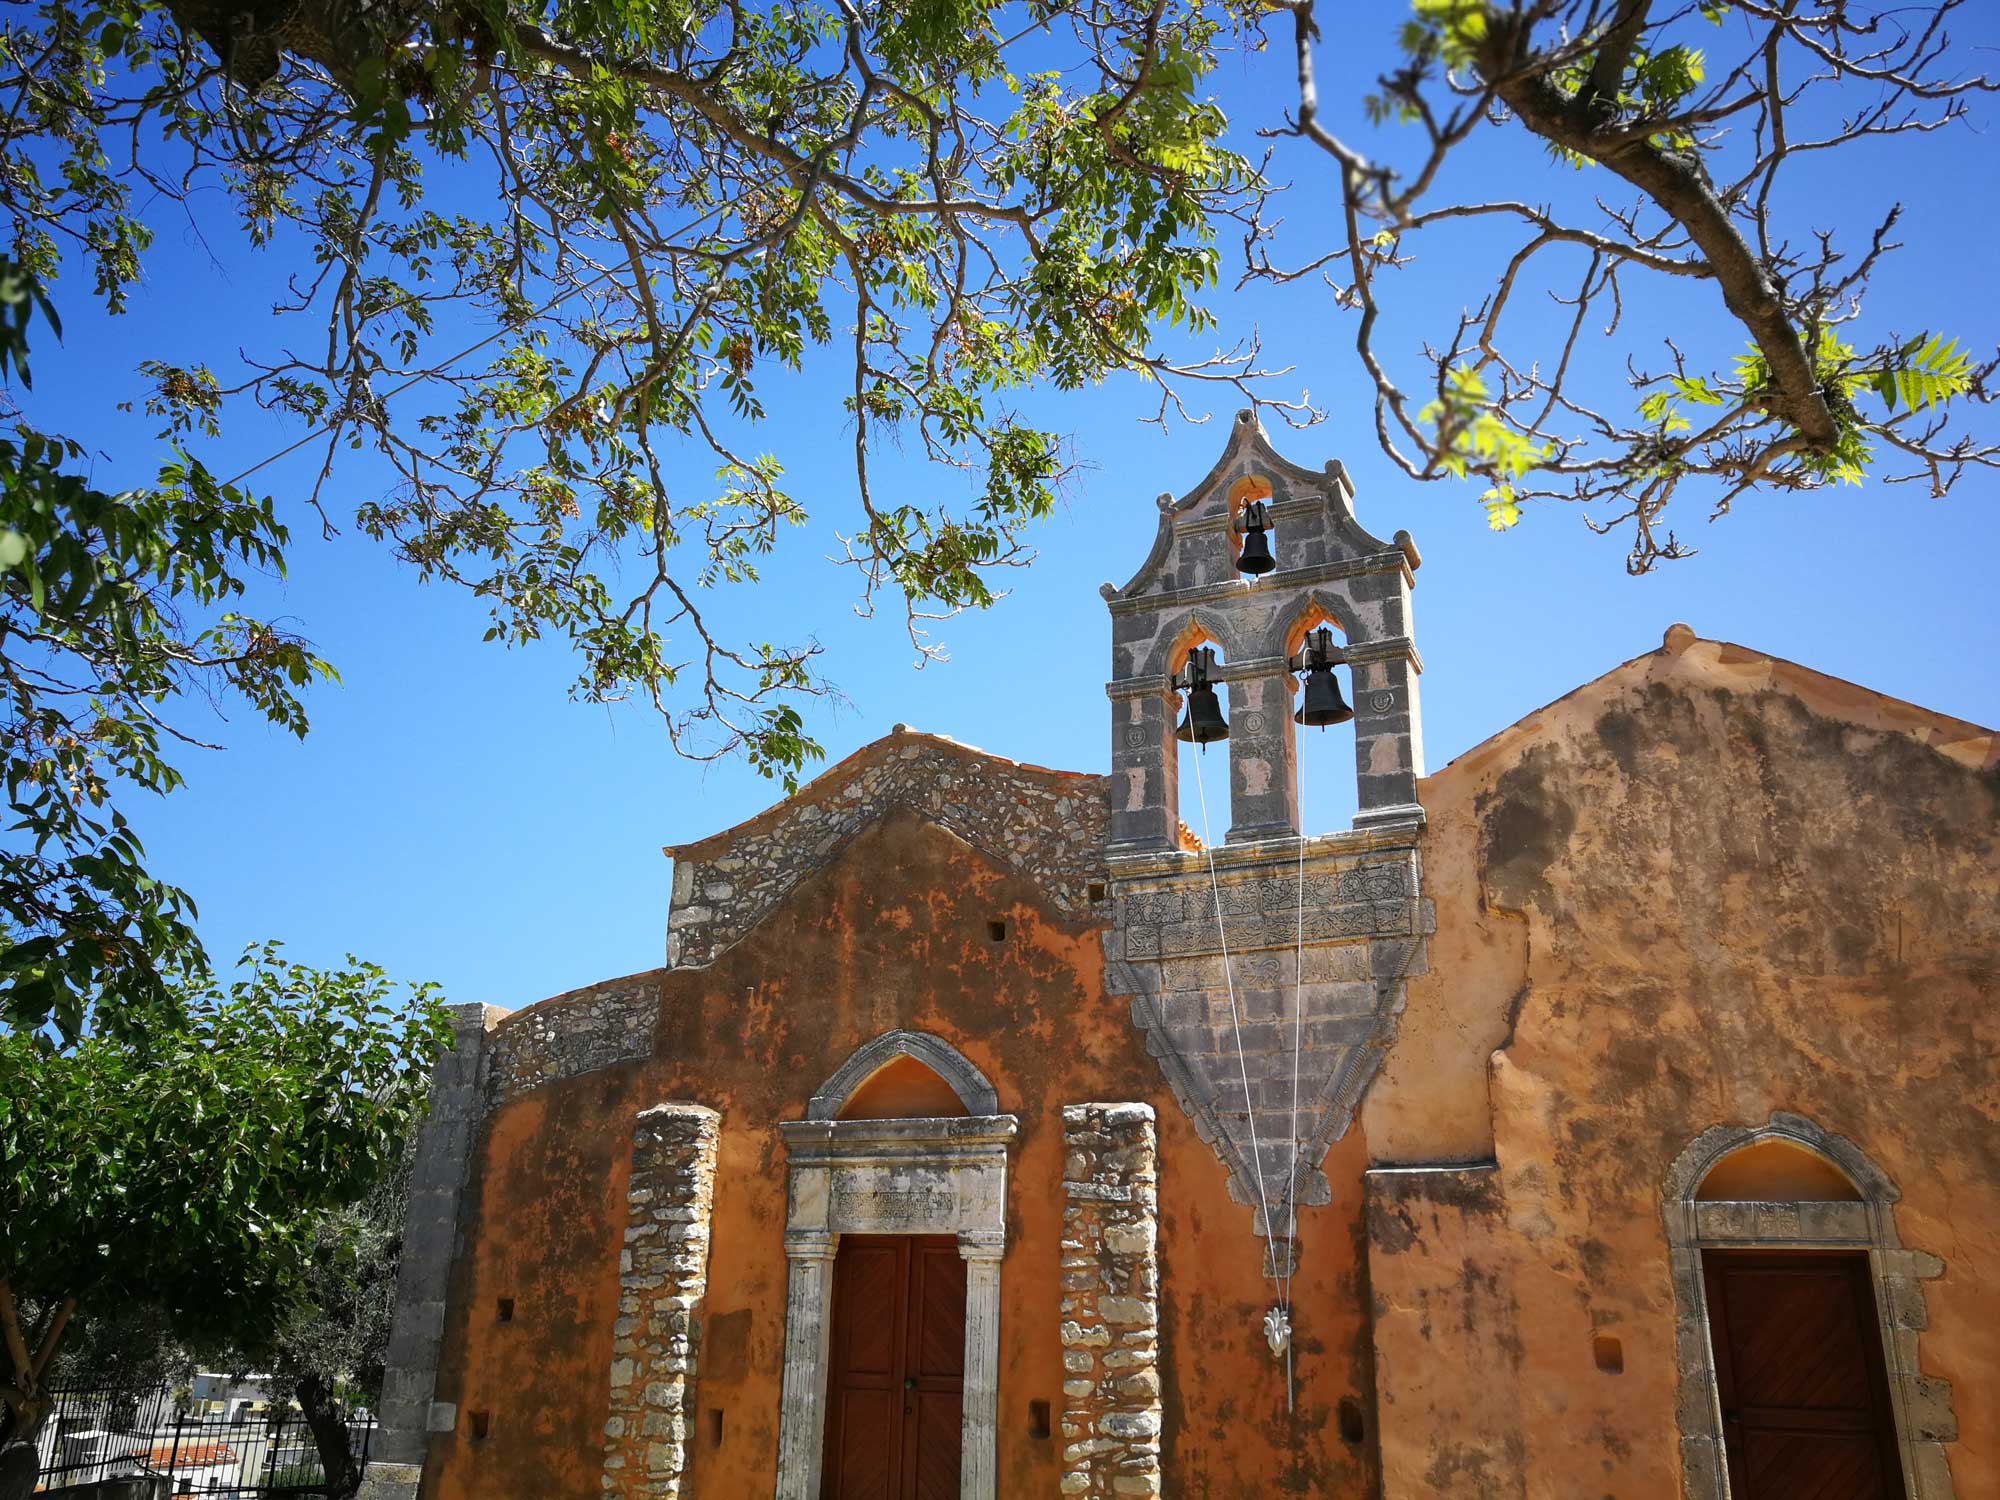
[(1612, 1112)]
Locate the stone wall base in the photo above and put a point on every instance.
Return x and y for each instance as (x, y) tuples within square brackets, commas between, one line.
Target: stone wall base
[(391, 1482)]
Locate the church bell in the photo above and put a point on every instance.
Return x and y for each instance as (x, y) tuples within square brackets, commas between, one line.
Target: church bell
[(1256, 558), (1321, 703), (1203, 723)]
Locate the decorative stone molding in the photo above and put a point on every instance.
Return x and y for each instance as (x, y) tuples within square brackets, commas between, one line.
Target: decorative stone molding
[(410, 1411), (937, 1176), (1112, 1413), (573, 1034), (1921, 1403), (943, 1059), (662, 1277), (1366, 930), (1049, 825)]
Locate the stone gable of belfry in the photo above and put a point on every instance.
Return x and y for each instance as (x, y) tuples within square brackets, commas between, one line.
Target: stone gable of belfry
[(990, 1131)]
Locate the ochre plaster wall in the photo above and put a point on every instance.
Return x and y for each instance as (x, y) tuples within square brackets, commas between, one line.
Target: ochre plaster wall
[(1704, 888), (893, 933)]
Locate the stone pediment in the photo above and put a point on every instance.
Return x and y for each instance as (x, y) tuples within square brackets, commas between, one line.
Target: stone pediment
[(1047, 825), (1316, 506), (1689, 662)]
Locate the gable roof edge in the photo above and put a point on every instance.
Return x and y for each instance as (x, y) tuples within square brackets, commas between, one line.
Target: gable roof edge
[(1726, 664)]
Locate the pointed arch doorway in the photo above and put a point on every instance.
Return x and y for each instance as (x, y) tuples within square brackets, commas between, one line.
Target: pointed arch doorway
[(894, 1232)]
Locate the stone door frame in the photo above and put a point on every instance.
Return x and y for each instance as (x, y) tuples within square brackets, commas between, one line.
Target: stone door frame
[(1921, 1404), (917, 1176)]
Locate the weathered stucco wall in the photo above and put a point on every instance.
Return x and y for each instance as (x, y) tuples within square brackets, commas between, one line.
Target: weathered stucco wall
[(1707, 887), (893, 933)]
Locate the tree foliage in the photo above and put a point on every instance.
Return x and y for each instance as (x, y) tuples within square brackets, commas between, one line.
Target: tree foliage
[(112, 608), (193, 1168), (547, 263), (656, 209), (1690, 120)]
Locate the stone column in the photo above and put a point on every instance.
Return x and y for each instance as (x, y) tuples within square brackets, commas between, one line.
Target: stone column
[(410, 1412), (1145, 771), (979, 1460), (662, 1277), (808, 1341), (1388, 742), (1110, 1309), (1263, 774)]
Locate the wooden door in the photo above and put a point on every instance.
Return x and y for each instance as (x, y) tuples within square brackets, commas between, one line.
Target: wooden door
[(1798, 1358), (896, 1370)]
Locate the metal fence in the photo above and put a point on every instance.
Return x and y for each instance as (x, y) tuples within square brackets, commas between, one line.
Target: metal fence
[(151, 1433)]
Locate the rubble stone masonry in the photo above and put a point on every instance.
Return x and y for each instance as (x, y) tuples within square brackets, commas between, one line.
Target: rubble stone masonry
[(1049, 825), (1110, 1307), (579, 1032), (662, 1277)]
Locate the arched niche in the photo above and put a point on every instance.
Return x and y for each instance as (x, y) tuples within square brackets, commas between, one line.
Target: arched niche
[(1251, 487), (945, 1062), (1862, 1218), (1199, 781), (1775, 1170), (1198, 627), (904, 1088)]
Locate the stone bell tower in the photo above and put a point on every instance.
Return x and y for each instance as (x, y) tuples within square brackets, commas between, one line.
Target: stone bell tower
[(1320, 977)]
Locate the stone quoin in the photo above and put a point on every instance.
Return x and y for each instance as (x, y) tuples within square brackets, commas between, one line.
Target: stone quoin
[(982, 1112)]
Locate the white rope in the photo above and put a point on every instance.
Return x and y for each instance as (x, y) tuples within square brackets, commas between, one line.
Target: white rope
[(1235, 1019), (1298, 1040)]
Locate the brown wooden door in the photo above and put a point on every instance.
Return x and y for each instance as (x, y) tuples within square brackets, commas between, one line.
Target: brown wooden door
[(1798, 1357), (896, 1374)]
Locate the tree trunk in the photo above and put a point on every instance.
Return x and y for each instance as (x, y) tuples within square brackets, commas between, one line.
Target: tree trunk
[(19, 1465), (27, 1405), (20, 1459), (330, 1436)]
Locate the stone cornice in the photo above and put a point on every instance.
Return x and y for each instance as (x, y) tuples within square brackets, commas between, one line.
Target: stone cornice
[(1264, 856), (1394, 560), (1390, 648)]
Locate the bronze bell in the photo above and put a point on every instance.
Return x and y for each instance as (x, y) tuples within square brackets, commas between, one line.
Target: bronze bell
[(1204, 723), (1321, 703), (1256, 558)]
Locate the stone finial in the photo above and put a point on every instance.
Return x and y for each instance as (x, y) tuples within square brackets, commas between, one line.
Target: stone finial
[(1678, 638)]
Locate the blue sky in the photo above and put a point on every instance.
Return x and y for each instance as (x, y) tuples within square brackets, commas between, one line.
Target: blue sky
[(455, 818)]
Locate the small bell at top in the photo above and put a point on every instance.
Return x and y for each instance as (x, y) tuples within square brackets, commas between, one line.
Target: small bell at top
[(1256, 558), (1204, 723), (1321, 703)]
